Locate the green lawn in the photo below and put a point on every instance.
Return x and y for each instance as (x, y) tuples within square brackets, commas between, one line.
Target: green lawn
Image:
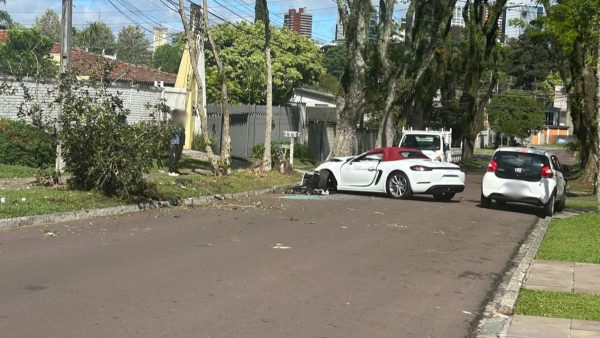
[(585, 203), (191, 185), (39, 201), (16, 171), (574, 239), (558, 305)]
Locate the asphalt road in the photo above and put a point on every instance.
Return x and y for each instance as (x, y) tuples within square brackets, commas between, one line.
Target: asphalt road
[(338, 266)]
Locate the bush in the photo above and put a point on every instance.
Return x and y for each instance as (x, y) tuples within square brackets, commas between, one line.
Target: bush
[(301, 151), (23, 144), (100, 149)]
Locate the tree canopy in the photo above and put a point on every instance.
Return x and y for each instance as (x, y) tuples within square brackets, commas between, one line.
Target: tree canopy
[(296, 61), (48, 24), (95, 37), (132, 46), (515, 114), (26, 53), (167, 58)]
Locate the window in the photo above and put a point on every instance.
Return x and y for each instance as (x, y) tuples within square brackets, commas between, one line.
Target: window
[(423, 142), (520, 166)]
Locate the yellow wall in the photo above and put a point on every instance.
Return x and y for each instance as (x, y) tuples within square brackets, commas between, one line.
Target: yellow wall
[(185, 79)]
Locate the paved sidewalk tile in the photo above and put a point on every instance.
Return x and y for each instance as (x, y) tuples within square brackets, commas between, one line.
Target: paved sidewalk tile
[(587, 278), (542, 327), (550, 276), (539, 327)]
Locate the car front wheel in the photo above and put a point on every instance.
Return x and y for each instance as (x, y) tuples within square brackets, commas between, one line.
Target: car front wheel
[(398, 186)]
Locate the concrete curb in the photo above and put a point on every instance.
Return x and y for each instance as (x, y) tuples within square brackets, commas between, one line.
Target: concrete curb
[(125, 209), (496, 317)]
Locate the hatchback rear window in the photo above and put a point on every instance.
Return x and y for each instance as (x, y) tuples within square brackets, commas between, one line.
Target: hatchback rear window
[(520, 166)]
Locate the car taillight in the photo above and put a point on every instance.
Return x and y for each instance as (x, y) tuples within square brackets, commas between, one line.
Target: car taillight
[(547, 171), (492, 166), (420, 168)]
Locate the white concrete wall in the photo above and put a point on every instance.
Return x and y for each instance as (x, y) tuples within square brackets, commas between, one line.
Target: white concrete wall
[(44, 94)]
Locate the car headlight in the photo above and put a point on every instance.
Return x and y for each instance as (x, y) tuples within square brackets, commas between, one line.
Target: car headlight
[(420, 168)]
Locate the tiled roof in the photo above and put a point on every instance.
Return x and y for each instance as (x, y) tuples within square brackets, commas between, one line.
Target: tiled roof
[(87, 64)]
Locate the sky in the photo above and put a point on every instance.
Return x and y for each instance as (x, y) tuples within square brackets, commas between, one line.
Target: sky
[(150, 13)]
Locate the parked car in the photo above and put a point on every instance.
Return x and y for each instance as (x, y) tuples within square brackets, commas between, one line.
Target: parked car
[(524, 175), (399, 172)]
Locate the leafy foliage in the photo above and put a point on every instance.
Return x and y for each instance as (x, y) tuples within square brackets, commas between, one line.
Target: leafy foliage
[(48, 24), (334, 60), (95, 37), (515, 114), (301, 151), (132, 46), (167, 58), (27, 54), (99, 148), (23, 144), (296, 61)]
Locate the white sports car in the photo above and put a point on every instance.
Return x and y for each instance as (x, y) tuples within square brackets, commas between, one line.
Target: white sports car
[(399, 172)]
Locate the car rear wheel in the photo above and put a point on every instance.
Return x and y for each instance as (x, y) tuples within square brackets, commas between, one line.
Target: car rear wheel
[(444, 196), (398, 186), (485, 202), (549, 207), (560, 206)]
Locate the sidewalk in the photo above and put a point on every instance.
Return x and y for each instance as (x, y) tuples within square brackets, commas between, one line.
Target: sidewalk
[(568, 277), (529, 327)]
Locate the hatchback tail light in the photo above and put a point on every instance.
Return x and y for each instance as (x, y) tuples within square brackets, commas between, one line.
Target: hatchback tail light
[(547, 171), (492, 166)]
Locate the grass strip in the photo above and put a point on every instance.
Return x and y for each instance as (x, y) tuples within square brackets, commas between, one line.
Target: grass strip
[(558, 305)]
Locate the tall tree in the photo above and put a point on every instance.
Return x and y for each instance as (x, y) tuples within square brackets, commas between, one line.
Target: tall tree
[(225, 160), (427, 25), (574, 30), (95, 37), (191, 38), (26, 53), (260, 8), (266, 161), (167, 58), (48, 24), (351, 101), (482, 34), (133, 47), (241, 47), (515, 114)]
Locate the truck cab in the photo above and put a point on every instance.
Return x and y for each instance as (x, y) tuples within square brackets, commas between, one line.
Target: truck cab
[(435, 144)]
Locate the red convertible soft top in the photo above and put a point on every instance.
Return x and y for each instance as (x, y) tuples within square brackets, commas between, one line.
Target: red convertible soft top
[(397, 153)]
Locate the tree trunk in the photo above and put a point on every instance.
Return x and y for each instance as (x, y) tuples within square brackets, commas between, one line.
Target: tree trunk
[(224, 163), (266, 160), (351, 101), (191, 42), (597, 145)]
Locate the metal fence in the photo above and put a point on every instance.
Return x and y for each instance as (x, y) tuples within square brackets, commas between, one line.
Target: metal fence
[(247, 126)]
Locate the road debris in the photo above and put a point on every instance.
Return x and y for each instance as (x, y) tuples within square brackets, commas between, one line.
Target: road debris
[(219, 197), (467, 312), (50, 233), (378, 213), (439, 232), (281, 246)]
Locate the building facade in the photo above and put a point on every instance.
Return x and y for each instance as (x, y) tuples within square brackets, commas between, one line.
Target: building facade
[(515, 19), (299, 21)]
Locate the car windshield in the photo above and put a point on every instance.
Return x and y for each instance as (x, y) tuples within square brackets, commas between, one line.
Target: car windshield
[(520, 165), (423, 142)]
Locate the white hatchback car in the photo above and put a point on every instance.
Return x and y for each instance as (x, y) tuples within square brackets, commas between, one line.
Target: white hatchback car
[(524, 175)]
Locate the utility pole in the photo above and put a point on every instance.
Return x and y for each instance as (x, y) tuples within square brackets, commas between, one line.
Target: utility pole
[(65, 63), (196, 19)]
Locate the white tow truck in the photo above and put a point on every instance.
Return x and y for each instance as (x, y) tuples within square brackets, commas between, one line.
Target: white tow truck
[(436, 144)]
